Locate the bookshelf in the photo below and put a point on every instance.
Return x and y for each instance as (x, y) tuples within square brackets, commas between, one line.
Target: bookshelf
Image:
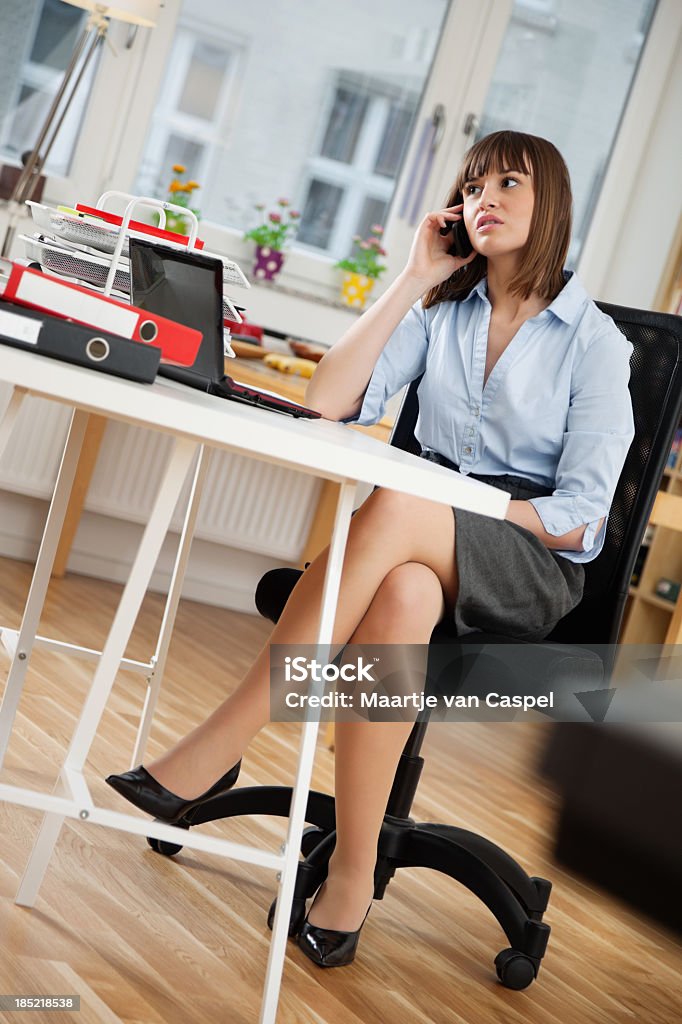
[(649, 616)]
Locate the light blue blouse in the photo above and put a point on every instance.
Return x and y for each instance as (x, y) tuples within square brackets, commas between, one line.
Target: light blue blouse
[(555, 409)]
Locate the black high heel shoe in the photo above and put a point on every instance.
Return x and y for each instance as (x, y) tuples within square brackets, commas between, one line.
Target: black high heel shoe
[(327, 947), (142, 789)]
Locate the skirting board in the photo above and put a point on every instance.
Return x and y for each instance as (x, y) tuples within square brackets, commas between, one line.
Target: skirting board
[(104, 548)]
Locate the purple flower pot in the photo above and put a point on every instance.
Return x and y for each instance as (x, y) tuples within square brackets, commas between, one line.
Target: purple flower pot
[(268, 263)]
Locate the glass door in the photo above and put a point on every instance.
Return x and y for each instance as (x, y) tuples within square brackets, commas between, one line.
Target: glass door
[(564, 72), (562, 69)]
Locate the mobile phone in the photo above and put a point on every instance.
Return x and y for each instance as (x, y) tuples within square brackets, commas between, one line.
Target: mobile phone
[(461, 243)]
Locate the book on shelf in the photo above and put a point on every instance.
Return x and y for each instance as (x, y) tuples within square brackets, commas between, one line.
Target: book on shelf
[(641, 556), (675, 449)]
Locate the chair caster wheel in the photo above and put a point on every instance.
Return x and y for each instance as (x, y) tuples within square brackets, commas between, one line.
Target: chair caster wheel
[(515, 970), (168, 849), (161, 846), (296, 919), (164, 847)]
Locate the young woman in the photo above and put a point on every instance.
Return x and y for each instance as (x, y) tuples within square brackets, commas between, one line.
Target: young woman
[(525, 386)]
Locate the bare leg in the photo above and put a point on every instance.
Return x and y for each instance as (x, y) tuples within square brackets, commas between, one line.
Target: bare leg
[(405, 610), (390, 529)]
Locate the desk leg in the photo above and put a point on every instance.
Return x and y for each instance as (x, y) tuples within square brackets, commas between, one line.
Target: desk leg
[(160, 656), (10, 416), (86, 467), (41, 578), (299, 798), (114, 649)]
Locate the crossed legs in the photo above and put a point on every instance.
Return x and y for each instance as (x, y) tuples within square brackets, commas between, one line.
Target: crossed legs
[(399, 577)]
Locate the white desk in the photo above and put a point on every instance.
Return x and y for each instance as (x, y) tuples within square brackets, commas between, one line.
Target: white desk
[(198, 422)]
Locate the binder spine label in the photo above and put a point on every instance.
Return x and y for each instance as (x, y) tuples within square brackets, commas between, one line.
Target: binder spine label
[(20, 328), (76, 305)]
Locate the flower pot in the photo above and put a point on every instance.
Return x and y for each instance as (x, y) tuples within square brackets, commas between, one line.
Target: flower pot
[(268, 263), (356, 288), (175, 222)]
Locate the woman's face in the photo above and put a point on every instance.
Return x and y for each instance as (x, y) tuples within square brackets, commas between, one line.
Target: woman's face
[(497, 211)]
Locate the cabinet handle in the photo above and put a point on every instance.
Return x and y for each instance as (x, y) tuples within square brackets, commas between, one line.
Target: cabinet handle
[(431, 137), (471, 124)]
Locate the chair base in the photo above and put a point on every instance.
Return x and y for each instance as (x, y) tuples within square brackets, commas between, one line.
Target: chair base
[(517, 900)]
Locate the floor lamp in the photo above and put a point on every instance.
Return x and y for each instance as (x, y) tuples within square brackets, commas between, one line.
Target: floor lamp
[(135, 12)]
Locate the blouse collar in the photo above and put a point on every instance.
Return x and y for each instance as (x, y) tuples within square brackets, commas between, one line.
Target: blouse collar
[(566, 306)]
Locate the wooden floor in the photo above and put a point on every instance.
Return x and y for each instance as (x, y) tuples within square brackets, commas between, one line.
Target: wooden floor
[(148, 940)]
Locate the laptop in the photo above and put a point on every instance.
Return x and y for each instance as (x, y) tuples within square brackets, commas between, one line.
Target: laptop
[(188, 287)]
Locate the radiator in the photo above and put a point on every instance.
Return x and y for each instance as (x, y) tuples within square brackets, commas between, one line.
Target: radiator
[(246, 503)]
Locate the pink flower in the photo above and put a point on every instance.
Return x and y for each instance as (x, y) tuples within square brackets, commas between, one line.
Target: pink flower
[(356, 238), (294, 214), (382, 252), (282, 202), (276, 218), (377, 229), (374, 242), (260, 206), (364, 245)]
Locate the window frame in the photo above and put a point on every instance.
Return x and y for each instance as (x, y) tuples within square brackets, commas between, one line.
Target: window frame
[(356, 178), (204, 131)]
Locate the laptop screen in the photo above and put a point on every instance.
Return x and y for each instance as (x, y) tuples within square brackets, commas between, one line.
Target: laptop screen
[(186, 287)]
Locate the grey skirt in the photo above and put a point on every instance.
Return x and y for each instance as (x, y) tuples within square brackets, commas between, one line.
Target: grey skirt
[(509, 582)]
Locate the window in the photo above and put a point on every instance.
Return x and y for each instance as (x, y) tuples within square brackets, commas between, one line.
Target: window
[(190, 124), (348, 185), (565, 72), (260, 102)]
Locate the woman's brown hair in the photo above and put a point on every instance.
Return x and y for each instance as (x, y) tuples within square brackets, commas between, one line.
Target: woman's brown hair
[(544, 253)]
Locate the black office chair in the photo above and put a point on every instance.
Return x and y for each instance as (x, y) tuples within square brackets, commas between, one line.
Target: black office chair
[(517, 900)]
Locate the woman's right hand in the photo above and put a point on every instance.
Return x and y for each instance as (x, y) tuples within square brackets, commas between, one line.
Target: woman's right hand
[(429, 261)]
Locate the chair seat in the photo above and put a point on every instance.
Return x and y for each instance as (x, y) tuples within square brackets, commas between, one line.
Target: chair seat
[(479, 663), (273, 591)]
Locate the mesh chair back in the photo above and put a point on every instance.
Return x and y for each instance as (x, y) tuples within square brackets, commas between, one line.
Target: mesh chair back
[(656, 391)]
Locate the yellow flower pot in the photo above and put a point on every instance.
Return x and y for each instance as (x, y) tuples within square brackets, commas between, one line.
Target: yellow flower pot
[(356, 288)]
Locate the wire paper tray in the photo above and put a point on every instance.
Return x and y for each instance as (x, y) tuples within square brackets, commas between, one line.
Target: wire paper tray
[(86, 268), (75, 229), (83, 231), (90, 268)]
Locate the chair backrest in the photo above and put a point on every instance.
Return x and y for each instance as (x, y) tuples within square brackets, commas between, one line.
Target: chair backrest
[(656, 391)]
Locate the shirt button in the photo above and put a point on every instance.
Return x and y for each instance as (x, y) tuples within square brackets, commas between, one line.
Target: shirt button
[(468, 450), (475, 410)]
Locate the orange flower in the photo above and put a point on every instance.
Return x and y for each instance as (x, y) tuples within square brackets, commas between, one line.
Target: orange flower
[(179, 168)]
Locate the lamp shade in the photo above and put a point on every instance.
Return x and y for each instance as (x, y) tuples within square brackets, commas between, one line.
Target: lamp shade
[(135, 12)]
